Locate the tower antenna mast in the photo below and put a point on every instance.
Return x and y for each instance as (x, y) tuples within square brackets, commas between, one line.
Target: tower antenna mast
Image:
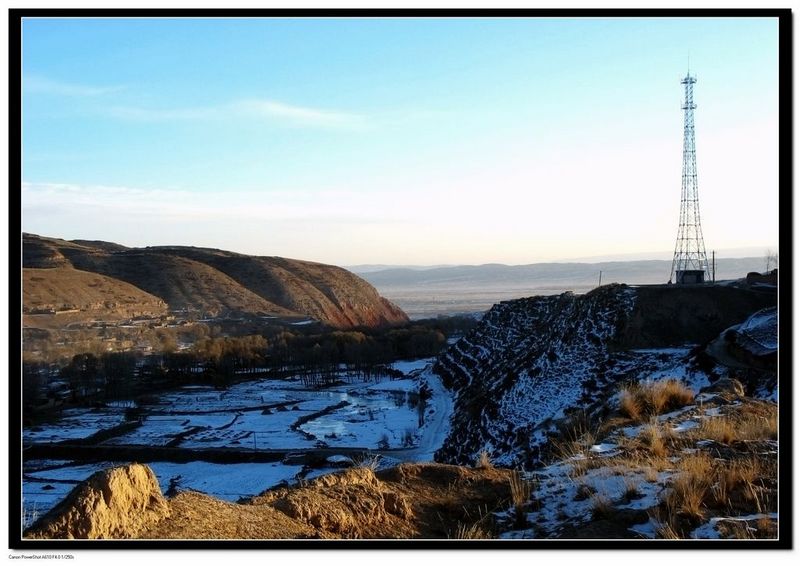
[(689, 263)]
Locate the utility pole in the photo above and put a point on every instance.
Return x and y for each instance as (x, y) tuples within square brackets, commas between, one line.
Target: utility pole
[(713, 266), (600, 281)]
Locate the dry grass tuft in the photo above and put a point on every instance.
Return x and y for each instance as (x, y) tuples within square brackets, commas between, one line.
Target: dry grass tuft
[(366, 460), (669, 395), (698, 465), (631, 488), (484, 461), (759, 422), (651, 474), (665, 531), (584, 492), (520, 489), (602, 508), (641, 400), (652, 438), (630, 406), (579, 467), (520, 495), (719, 429), (686, 499), (471, 532)]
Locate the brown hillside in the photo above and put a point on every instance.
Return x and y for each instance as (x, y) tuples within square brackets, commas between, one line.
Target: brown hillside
[(218, 282), (48, 291), (180, 282), (325, 292)]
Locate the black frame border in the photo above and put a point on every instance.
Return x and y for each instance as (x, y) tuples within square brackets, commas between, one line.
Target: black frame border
[(785, 109)]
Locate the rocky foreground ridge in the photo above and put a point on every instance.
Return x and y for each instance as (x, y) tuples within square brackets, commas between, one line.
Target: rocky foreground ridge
[(103, 278), (409, 501)]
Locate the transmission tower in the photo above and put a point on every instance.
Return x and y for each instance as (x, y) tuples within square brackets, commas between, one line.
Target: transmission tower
[(689, 264)]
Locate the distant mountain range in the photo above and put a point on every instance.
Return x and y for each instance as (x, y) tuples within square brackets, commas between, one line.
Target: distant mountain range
[(438, 290), (103, 278)]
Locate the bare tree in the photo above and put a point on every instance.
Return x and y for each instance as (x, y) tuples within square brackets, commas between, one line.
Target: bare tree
[(771, 259)]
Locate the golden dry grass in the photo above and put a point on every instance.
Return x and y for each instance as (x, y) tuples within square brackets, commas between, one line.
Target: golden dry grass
[(665, 531), (718, 429), (471, 532), (705, 486), (639, 401), (630, 406), (652, 439), (484, 461), (756, 422), (520, 490), (651, 474)]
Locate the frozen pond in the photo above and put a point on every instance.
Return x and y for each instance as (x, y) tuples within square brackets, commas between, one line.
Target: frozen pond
[(266, 414)]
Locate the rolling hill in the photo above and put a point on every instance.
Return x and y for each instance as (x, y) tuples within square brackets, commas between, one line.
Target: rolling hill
[(207, 281)]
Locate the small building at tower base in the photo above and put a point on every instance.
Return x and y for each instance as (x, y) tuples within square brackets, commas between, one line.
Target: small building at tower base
[(690, 277)]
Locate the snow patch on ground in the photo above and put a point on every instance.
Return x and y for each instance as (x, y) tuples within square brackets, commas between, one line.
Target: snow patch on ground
[(203, 417), (410, 366)]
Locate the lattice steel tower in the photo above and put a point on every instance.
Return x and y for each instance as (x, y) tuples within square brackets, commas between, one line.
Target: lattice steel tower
[(689, 264)]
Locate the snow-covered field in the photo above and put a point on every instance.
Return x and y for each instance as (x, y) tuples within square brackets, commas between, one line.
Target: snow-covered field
[(260, 415), (75, 424)]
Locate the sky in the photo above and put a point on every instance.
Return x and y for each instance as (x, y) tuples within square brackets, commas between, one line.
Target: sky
[(399, 141)]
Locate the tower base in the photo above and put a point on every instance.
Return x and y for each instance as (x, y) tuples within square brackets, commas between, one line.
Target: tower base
[(690, 277)]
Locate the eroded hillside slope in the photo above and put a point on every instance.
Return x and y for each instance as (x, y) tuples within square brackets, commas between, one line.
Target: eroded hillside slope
[(532, 364), (215, 282)]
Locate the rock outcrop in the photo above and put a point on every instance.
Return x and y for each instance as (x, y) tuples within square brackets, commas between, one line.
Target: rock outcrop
[(534, 364), (409, 501), (115, 503)]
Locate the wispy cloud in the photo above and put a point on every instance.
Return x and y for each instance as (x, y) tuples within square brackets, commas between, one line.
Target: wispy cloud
[(139, 114), (39, 84), (299, 114), (72, 200), (251, 108)]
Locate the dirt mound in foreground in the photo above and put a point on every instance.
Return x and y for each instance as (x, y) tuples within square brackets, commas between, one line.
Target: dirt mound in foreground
[(353, 503), (114, 503), (409, 501)]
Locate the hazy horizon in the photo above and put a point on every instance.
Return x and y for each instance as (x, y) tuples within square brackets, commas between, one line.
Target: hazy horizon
[(408, 142), (729, 253)]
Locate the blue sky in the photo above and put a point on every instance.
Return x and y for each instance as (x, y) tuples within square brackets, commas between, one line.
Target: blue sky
[(414, 141)]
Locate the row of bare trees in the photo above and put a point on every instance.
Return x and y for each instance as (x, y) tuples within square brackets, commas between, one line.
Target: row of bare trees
[(320, 358)]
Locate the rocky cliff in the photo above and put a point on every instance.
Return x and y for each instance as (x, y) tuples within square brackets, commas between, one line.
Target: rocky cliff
[(533, 365)]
